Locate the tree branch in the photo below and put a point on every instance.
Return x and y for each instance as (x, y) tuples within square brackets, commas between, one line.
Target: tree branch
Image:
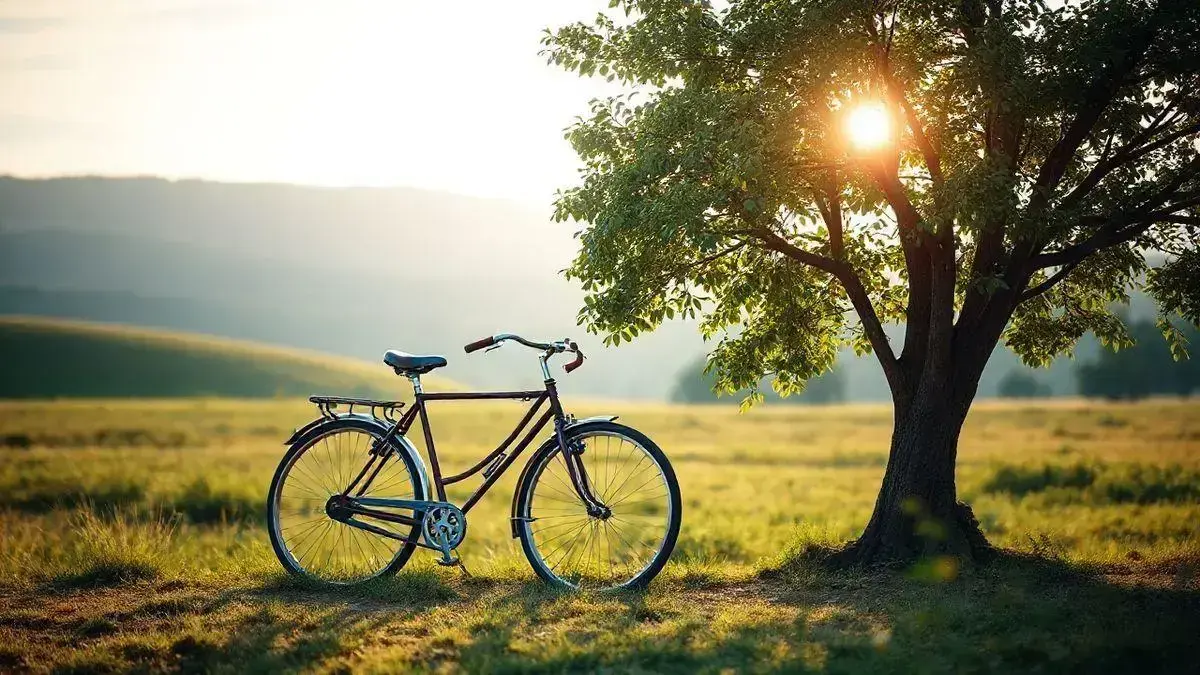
[(916, 244), (932, 160), (1113, 233), (1182, 220), (1050, 282), (1116, 229), (1123, 156), (854, 291), (895, 91), (1094, 102), (833, 221), (780, 245)]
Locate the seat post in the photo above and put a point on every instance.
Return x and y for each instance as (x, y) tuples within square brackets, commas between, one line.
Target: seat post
[(415, 378)]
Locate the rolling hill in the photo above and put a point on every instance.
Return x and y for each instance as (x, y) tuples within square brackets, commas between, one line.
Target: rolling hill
[(347, 271), (48, 358)]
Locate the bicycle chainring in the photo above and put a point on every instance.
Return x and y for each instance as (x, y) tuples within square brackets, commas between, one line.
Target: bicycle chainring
[(444, 527)]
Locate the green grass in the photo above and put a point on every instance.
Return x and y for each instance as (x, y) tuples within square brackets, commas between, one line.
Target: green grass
[(52, 358), (132, 541)]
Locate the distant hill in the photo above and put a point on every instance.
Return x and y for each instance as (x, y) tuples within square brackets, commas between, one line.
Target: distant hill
[(44, 358), (348, 271)]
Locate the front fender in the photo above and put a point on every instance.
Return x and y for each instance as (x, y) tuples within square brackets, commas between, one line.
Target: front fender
[(547, 446), (594, 418), (402, 443)]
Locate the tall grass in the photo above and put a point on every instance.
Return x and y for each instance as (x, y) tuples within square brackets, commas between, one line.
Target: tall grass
[(88, 547)]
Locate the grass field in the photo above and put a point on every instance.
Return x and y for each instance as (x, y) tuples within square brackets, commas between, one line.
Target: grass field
[(133, 540), (50, 358)]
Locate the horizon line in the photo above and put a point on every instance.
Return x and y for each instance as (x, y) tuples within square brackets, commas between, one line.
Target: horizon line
[(166, 178)]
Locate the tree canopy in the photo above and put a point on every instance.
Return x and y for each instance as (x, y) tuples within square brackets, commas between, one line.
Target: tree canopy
[(1037, 152)]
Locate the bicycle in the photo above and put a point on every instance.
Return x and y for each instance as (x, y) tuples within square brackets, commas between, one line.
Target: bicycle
[(596, 506)]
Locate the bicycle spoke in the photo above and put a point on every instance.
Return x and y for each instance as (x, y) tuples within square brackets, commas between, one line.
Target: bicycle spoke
[(574, 545), (573, 533), (313, 541), (310, 482), (653, 477), (559, 526)]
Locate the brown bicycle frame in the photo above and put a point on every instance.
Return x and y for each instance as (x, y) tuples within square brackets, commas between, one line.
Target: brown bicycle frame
[(493, 465)]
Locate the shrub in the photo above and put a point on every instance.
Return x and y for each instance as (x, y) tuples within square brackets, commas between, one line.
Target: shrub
[(200, 503), (1020, 481), (1100, 483)]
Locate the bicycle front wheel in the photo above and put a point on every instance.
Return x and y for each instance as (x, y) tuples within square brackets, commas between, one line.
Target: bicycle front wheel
[(623, 548)]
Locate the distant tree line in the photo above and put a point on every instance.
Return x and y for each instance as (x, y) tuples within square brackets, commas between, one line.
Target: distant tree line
[(696, 386), (1018, 383), (1145, 369)]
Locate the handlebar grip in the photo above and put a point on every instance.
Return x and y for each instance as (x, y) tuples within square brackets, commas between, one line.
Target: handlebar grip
[(578, 358), (480, 344)]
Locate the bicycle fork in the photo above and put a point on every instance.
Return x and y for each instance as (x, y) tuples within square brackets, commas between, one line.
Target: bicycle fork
[(573, 456)]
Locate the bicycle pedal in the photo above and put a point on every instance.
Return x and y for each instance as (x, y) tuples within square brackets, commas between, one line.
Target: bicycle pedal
[(449, 562)]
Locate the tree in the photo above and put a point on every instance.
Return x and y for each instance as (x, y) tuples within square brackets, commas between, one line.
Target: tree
[(1145, 369), (978, 170), (1017, 383), (696, 385)]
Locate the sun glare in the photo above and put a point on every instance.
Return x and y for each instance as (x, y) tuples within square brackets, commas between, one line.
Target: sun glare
[(867, 126)]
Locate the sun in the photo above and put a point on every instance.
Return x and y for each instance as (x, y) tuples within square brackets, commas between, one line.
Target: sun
[(868, 126)]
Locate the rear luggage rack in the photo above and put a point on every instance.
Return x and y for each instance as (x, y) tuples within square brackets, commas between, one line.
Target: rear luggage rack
[(326, 404)]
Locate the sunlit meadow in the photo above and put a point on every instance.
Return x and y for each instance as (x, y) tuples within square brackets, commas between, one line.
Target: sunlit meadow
[(133, 538)]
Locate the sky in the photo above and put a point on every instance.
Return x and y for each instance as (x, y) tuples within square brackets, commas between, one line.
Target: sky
[(443, 95)]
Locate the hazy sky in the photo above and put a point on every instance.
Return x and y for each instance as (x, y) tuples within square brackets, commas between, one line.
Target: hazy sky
[(440, 94)]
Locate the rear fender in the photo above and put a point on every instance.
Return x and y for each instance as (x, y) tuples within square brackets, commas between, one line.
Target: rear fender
[(399, 443), (549, 445)]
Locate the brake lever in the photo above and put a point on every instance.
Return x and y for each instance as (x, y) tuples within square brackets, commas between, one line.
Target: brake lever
[(493, 347)]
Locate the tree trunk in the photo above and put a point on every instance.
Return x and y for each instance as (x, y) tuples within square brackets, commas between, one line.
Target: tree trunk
[(917, 513)]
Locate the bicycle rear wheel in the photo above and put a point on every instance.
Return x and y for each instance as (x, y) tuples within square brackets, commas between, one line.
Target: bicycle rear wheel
[(625, 548), (320, 465)]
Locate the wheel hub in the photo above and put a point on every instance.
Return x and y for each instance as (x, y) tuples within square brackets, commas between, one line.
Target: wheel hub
[(337, 507)]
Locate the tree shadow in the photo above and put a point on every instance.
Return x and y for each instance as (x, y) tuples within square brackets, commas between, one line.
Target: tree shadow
[(1022, 613), (1019, 613)]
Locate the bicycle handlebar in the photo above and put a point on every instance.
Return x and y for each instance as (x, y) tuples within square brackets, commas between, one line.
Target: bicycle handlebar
[(578, 357), (549, 348), (480, 344)]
